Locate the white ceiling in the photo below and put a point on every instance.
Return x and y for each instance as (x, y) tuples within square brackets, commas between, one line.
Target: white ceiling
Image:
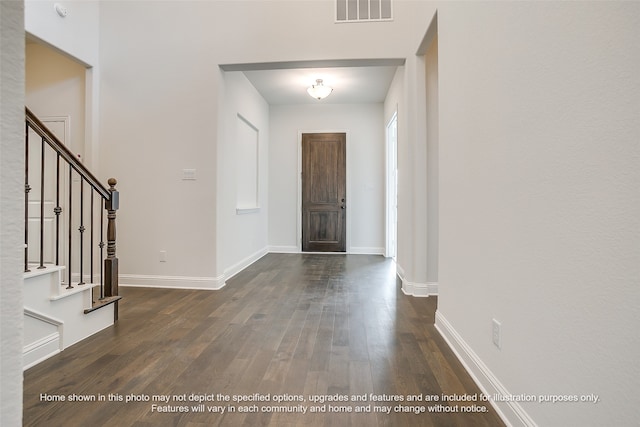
[(350, 85), (353, 81)]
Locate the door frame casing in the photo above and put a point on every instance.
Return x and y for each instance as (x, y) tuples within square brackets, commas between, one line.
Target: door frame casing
[(299, 201), (391, 189)]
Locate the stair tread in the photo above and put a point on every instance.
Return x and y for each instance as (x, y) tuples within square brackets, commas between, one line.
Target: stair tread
[(102, 303)]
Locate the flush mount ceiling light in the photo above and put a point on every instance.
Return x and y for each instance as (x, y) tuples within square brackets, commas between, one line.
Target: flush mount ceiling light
[(319, 90)]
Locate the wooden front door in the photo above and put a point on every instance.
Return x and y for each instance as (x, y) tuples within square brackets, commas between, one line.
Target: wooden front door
[(324, 192)]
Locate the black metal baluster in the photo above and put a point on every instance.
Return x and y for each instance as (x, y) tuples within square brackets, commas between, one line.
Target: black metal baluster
[(57, 210), (102, 249), (42, 205), (81, 230), (91, 240), (70, 210), (27, 188)]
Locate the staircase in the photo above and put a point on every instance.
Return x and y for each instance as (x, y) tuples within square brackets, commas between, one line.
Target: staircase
[(70, 285), (56, 317)]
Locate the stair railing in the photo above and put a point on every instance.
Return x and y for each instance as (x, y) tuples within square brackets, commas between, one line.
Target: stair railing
[(56, 164)]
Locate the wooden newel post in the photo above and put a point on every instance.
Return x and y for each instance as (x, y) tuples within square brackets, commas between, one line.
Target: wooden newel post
[(111, 262)]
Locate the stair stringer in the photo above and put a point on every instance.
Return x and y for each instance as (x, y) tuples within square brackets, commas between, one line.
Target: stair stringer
[(54, 316)]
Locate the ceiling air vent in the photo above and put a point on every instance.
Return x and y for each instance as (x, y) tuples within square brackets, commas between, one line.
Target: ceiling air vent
[(363, 10)]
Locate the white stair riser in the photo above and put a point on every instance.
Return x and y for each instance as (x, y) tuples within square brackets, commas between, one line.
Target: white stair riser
[(51, 309)]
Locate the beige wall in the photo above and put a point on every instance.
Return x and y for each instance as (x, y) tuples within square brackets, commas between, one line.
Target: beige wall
[(55, 86)]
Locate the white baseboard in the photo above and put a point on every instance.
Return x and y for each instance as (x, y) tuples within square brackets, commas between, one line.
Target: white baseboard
[(186, 282), (360, 250), (173, 282), (511, 413), (284, 250), (216, 283), (246, 262), (416, 289), (366, 250), (419, 289)]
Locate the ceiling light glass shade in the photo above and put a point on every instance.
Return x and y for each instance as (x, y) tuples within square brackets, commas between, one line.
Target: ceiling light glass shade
[(319, 90)]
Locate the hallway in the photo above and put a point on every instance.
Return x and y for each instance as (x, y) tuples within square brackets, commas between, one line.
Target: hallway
[(288, 330)]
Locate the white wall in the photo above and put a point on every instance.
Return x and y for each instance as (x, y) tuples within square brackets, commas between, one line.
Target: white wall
[(538, 165), (415, 90), (241, 237), (396, 100), (393, 105), (162, 96), (364, 124), (159, 115), (11, 209), (539, 200), (77, 34), (408, 93), (306, 30), (431, 74), (55, 86)]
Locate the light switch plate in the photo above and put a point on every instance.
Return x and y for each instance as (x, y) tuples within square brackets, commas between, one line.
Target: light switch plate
[(188, 174)]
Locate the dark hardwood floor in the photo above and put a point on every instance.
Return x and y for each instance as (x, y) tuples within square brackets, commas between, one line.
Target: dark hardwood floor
[(288, 327)]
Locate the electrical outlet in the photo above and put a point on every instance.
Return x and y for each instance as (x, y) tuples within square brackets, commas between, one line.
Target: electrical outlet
[(497, 334), (163, 256)]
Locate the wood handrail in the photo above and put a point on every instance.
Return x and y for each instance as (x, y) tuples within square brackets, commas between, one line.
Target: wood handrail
[(59, 147)]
